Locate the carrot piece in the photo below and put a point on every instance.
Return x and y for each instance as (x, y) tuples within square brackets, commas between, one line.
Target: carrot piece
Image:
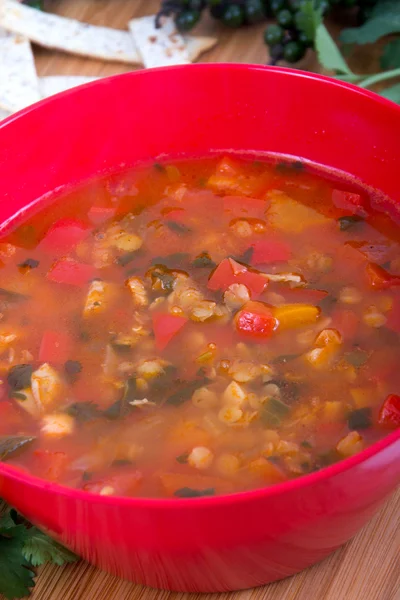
[(290, 316), (64, 235)]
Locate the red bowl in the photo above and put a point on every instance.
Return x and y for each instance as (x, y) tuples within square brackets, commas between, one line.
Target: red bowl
[(246, 539)]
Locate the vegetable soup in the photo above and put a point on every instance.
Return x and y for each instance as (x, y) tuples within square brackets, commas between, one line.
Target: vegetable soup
[(199, 327)]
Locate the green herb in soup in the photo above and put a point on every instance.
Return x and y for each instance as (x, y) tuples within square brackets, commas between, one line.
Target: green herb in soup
[(199, 328)]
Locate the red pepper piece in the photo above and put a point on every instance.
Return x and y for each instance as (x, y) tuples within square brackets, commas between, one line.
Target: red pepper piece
[(267, 251), (99, 214), (55, 347), (71, 272), (64, 235), (389, 414), (229, 271), (379, 278), (348, 201), (165, 327), (255, 320)]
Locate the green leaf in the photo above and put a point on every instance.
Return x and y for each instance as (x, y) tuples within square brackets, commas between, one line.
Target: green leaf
[(392, 93), (390, 58), (16, 578), (12, 443), (39, 549), (328, 53), (308, 17), (385, 20)]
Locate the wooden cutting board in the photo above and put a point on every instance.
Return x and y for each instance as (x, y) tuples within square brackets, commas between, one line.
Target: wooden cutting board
[(366, 568)]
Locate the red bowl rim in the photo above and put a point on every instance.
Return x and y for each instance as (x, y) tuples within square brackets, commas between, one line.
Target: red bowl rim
[(238, 497)]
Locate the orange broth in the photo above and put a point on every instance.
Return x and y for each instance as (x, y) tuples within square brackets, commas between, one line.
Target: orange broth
[(198, 327)]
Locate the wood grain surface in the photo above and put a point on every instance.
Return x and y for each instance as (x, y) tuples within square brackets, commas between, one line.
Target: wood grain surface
[(367, 567)]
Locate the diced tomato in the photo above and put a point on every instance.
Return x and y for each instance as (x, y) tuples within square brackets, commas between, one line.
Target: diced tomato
[(178, 215), (379, 278), (55, 347), (229, 271), (303, 295), (10, 418), (71, 272), (393, 318), (244, 206), (100, 214), (346, 322), (165, 327), (255, 320), (389, 415), (267, 251), (122, 484), (64, 235), (50, 465), (350, 202)]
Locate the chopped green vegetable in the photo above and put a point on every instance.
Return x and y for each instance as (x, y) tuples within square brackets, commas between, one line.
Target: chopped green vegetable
[(306, 444), (121, 462), (186, 391), (126, 258), (122, 407), (29, 263), (19, 377), (72, 368), (182, 458), (178, 227), (361, 418), (84, 411), (357, 357), (11, 443), (346, 223), (187, 492), (9, 296), (204, 261), (273, 412)]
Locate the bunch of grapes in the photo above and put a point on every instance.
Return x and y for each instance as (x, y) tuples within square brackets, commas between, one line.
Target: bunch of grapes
[(286, 38)]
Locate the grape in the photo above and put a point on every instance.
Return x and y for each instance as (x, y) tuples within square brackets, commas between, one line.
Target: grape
[(254, 11), (187, 19), (273, 35), (233, 16), (284, 18), (277, 5), (197, 4), (305, 40), (216, 8), (293, 51)]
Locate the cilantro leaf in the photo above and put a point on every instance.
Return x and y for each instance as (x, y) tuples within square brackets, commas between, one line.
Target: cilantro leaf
[(385, 19), (16, 578), (307, 18), (39, 549), (392, 93), (390, 58), (329, 54)]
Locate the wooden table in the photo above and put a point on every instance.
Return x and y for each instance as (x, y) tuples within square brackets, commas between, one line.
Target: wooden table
[(366, 568)]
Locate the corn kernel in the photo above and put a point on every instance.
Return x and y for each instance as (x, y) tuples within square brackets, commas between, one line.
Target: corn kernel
[(351, 444), (234, 394), (107, 490), (373, 318), (244, 371), (350, 295), (230, 414), (200, 458), (204, 398), (228, 464)]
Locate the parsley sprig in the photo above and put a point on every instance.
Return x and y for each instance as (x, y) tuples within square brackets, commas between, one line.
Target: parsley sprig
[(22, 548)]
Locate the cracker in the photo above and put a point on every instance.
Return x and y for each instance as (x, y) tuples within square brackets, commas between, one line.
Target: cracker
[(196, 45), (159, 47), (19, 85), (54, 84), (68, 35)]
